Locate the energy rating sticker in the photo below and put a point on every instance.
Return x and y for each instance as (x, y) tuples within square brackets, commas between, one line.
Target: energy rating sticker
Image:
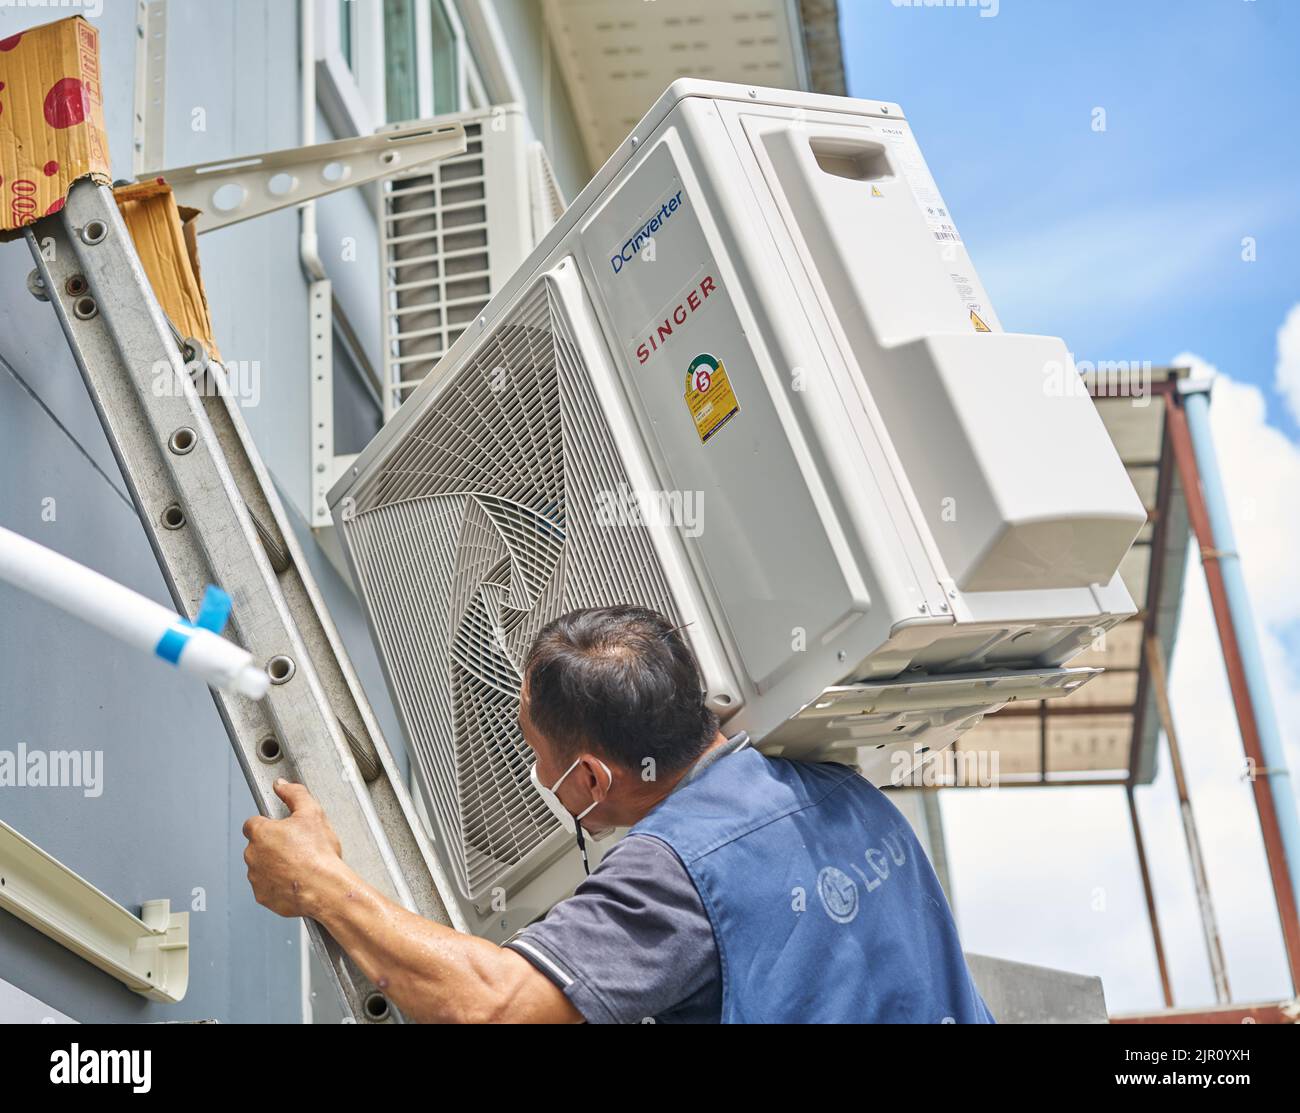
[(709, 396)]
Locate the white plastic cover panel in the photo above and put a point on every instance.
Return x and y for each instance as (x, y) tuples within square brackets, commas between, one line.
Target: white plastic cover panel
[(479, 530)]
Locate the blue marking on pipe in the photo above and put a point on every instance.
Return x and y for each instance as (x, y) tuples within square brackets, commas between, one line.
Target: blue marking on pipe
[(173, 641), (214, 611)]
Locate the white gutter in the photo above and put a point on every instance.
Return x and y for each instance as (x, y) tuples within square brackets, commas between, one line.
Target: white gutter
[(150, 956), (308, 244)]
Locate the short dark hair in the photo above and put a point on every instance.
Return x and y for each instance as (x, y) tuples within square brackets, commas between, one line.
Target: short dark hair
[(623, 681)]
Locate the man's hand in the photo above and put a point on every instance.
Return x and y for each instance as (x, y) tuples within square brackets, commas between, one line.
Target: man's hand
[(288, 858), (431, 972)]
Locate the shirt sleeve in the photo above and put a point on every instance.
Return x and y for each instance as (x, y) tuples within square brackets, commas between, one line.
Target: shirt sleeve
[(632, 942)]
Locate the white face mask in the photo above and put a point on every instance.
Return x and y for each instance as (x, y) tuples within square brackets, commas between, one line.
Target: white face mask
[(567, 819)]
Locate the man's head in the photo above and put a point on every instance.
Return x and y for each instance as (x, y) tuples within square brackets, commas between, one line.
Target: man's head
[(614, 689)]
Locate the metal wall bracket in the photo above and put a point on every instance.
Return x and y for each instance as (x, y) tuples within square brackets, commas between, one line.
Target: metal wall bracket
[(149, 955), (150, 121), (327, 466), (232, 190), (320, 353)]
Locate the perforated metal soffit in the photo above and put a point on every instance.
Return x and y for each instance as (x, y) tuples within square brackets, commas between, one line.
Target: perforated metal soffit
[(618, 56), (483, 525)]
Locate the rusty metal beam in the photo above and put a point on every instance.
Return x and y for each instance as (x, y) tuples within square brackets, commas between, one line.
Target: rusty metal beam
[(1179, 433), (1034, 781), (1155, 585), (1280, 1012)]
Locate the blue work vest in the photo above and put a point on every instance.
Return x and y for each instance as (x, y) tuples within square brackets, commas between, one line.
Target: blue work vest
[(824, 906)]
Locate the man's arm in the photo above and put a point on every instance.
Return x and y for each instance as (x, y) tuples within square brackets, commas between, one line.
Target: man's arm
[(432, 973)]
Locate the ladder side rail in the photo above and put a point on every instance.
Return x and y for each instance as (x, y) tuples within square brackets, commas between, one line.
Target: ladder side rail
[(174, 454), (431, 893)]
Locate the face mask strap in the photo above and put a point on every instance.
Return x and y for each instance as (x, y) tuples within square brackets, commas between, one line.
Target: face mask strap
[(577, 819), (569, 770), (582, 847)]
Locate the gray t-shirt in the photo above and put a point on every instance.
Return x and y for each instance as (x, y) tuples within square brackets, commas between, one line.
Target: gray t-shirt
[(634, 943)]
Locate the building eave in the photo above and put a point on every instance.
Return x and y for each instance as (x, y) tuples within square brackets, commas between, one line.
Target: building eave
[(616, 59)]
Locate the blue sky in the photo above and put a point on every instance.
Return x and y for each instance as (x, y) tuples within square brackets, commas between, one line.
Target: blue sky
[(1127, 242)]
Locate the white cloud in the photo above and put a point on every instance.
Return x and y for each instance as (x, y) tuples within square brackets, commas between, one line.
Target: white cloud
[(1288, 361)]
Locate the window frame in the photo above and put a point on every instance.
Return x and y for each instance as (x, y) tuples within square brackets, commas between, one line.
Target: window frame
[(351, 96), (425, 30), (424, 58), (354, 97), (494, 77)]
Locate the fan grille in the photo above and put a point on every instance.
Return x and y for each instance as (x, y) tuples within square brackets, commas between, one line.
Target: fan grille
[(482, 526)]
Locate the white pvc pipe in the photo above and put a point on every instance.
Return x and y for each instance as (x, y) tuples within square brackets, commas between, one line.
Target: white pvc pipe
[(129, 616)]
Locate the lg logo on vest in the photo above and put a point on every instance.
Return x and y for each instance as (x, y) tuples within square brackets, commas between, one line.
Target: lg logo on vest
[(839, 892)]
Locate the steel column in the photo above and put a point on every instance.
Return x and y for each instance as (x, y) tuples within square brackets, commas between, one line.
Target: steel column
[(1148, 891), (1209, 923)]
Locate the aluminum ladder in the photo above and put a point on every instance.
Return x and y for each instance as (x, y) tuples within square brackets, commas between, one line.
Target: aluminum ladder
[(212, 515)]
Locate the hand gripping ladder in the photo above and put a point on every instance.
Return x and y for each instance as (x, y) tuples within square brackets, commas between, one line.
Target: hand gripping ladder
[(213, 516)]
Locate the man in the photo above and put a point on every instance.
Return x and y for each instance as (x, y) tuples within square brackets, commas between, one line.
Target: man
[(747, 888)]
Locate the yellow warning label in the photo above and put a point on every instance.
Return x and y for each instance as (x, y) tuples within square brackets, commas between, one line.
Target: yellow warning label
[(709, 395), (980, 326), (875, 192)]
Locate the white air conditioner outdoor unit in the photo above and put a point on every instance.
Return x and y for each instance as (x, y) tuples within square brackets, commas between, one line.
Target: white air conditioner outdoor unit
[(751, 380), (452, 233)]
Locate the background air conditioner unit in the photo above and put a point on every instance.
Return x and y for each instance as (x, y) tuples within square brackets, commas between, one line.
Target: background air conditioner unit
[(451, 235), (751, 380)]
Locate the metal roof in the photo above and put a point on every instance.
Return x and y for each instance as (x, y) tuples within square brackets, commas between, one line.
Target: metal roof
[(1106, 733)]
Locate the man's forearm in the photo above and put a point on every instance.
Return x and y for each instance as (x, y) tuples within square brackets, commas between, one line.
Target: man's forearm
[(432, 973), (426, 969)]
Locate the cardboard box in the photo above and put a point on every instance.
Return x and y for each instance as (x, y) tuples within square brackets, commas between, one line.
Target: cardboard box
[(51, 120), (165, 240)]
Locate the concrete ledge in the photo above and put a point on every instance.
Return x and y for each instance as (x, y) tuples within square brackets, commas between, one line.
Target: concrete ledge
[(1018, 993)]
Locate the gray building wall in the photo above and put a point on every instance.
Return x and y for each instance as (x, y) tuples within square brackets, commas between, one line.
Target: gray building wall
[(168, 821), (546, 99)]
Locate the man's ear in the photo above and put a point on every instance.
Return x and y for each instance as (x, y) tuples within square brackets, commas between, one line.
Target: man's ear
[(598, 775)]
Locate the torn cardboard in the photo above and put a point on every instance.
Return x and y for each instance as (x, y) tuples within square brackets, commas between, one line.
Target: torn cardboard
[(167, 243), (51, 120)]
